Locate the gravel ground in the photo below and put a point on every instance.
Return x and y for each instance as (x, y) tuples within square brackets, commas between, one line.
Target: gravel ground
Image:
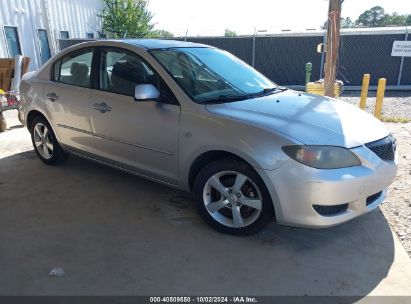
[(395, 104), (397, 206)]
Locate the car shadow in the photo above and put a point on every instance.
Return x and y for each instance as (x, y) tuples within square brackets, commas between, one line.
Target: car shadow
[(116, 234), (15, 127)]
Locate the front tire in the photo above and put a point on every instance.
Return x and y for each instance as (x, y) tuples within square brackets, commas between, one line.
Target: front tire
[(45, 142), (232, 198)]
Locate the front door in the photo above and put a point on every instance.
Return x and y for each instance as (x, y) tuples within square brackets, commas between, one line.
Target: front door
[(139, 135), (67, 98)]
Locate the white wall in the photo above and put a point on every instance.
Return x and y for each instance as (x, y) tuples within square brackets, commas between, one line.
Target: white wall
[(78, 17)]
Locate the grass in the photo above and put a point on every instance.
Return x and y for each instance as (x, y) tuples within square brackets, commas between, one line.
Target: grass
[(396, 119)]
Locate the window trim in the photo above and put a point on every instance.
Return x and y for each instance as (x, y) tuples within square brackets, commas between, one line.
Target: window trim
[(18, 39), (52, 70), (99, 52), (59, 60)]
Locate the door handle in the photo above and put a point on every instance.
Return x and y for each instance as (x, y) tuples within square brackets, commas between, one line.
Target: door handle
[(52, 97), (102, 107)]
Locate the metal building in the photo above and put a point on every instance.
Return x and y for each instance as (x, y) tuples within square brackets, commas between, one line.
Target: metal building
[(32, 27)]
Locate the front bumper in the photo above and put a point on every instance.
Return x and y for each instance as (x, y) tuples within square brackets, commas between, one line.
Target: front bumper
[(296, 188)]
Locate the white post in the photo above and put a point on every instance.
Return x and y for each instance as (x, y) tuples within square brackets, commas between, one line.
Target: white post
[(15, 83), (49, 30), (402, 60)]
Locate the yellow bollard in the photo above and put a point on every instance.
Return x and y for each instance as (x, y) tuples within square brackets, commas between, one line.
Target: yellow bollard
[(380, 97), (364, 90)]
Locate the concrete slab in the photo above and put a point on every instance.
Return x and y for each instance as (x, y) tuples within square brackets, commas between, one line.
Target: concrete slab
[(116, 234)]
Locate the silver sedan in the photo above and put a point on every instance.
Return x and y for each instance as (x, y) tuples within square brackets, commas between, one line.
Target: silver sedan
[(199, 119)]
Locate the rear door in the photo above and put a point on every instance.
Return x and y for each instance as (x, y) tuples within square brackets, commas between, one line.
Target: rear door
[(67, 97), (140, 135)]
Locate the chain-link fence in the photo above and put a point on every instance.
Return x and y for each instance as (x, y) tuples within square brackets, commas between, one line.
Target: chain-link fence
[(361, 54), (282, 58)]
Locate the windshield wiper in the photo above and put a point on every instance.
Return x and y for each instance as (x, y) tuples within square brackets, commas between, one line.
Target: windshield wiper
[(229, 98), (267, 91), (225, 98)]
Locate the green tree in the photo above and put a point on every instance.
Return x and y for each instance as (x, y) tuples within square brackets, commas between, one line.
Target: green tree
[(126, 19), (345, 23), (395, 19), (229, 33), (376, 16), (373, 17), (161, 34)]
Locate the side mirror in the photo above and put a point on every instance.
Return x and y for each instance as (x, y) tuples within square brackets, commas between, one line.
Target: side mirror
[(146, 92)]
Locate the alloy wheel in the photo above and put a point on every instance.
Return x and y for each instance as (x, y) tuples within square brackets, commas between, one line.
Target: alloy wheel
[(42, 140), (232, 199)]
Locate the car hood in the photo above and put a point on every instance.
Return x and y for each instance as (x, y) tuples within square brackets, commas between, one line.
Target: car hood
[(309, 119)]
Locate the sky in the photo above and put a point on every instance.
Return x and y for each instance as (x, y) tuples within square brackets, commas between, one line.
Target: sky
[(212, 17)]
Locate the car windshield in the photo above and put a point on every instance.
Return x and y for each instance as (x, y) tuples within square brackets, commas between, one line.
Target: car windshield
[(210, 75)]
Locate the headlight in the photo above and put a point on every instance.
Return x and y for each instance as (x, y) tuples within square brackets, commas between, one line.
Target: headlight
[(322, 157)]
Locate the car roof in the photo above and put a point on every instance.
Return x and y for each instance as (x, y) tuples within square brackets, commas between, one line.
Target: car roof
[(152, 44)]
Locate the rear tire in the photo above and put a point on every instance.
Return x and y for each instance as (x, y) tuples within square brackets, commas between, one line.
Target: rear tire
[(45, 142), (232, 198)]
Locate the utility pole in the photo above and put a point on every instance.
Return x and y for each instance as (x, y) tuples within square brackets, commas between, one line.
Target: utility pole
[(332, 45)]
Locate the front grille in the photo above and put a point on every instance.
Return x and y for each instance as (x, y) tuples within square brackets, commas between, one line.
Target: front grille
[(330, 210), (383, 148), (372, 198)]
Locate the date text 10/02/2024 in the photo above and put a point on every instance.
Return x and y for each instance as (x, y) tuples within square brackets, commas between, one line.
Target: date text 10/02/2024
[(237, 299)]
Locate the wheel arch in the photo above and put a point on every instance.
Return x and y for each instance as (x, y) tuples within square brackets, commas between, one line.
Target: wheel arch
[(212, 155), (31, 116), (207, 157)]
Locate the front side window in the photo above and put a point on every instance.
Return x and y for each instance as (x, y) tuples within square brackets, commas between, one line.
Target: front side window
[(121, 71), (74, 69), (12, 39), (44, 46), (208, 74)]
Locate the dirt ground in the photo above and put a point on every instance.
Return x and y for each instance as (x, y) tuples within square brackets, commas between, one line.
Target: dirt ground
[(116, 234)]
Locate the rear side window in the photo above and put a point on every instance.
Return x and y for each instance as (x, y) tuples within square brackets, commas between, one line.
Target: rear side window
[(74, 69)]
